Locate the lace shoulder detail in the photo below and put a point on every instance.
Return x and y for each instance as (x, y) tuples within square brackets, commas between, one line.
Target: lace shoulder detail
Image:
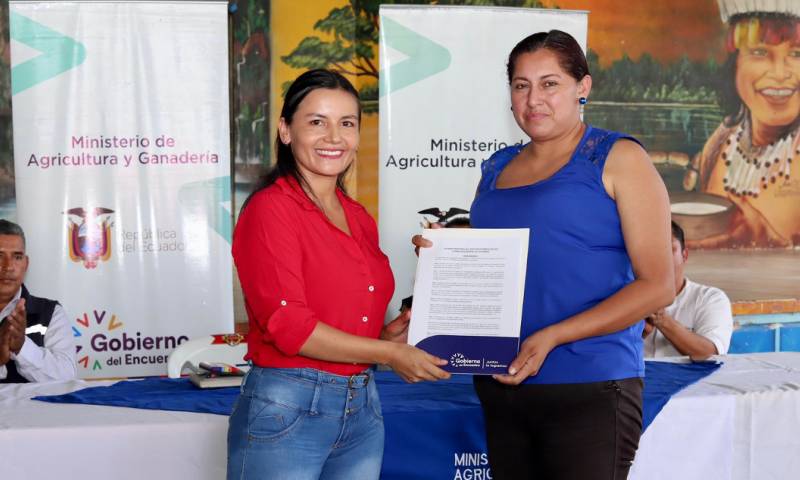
[(492, 166), (597, 145)]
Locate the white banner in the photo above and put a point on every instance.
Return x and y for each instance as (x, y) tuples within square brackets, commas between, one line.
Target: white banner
[(121, 150), (444, 108)]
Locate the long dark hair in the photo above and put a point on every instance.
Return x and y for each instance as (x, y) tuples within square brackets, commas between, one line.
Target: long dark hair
[(286, 164), (570, 56), (727, 96)]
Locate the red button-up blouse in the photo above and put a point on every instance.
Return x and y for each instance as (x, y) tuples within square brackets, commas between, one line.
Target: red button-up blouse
[(297, 268)]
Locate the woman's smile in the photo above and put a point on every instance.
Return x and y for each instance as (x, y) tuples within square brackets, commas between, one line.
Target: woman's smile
[(330, 154), (777, 95)]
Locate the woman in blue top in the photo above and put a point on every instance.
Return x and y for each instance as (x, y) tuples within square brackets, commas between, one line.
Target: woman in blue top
[(599, 261)]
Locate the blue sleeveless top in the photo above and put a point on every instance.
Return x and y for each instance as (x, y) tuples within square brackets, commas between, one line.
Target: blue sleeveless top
[(576, 256)]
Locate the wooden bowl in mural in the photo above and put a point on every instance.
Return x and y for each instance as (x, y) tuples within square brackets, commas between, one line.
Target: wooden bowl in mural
[(701, 215)]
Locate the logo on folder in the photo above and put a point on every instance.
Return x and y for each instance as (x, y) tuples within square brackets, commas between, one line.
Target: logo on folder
[(89, 235), (459, 360)]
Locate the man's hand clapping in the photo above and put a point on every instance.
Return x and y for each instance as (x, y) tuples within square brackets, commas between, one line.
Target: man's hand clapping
[(16, 323)]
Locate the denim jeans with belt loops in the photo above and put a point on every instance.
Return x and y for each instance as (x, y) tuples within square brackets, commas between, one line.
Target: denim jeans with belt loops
[(303, 424)]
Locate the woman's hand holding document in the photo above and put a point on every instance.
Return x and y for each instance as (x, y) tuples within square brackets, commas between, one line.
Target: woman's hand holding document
[(468, 296)]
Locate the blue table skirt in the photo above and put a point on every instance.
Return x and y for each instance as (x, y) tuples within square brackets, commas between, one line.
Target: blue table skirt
[(433, 430)]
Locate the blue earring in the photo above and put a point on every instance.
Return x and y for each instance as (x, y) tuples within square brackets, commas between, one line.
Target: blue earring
[(582, 100)]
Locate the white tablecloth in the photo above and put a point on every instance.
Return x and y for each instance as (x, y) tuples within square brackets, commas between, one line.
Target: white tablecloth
[(741, 422), (47, 441)]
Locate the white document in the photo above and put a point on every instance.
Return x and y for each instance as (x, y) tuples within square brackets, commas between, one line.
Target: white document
[(468, 297)]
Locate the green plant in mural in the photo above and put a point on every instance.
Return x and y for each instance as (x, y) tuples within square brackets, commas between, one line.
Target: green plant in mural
[(250, 80), (6, 152), (353, 33), (648, 80), (5, 60)]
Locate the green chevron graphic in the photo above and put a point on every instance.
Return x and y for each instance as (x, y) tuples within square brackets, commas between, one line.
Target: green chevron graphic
[(205, 199), (59, 53), (425, 57)]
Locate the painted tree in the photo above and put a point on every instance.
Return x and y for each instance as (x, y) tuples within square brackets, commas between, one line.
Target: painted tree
[(353, 33)]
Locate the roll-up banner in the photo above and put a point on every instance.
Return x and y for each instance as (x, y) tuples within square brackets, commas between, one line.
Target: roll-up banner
[(121, 151), (444, 108)]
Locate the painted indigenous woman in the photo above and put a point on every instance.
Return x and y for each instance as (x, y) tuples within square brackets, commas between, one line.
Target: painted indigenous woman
[(752, 158)]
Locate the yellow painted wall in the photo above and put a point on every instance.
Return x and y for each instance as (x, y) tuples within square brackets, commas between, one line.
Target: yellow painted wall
[(293, 20)]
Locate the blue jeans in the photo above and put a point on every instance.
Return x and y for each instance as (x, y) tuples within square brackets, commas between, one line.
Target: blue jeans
[(303, 424)]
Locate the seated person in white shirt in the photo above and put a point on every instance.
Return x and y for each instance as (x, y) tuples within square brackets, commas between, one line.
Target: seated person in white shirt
[(36, 342), (699, 322)]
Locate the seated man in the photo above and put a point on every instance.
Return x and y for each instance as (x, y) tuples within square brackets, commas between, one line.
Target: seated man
[(699, 322), (36, 342)]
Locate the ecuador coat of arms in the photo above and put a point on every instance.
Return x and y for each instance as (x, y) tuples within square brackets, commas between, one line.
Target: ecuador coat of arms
[(89, 235)]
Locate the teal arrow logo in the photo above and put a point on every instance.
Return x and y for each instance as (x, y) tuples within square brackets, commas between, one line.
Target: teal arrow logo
[(59, 53), (206, 199), (425, 57)]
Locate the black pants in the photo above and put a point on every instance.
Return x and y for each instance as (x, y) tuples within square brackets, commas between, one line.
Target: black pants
[(583, 431)]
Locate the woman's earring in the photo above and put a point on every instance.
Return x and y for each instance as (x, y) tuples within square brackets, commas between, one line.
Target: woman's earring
[(582, 101)]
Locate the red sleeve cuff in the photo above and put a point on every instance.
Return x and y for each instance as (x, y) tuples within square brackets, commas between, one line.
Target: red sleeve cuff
[(290, 326)]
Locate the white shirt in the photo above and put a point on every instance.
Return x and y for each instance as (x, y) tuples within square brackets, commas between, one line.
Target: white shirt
[(54, 361), (703, 310)]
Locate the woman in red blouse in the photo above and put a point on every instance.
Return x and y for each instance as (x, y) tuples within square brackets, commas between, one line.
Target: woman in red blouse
[(316, 287)]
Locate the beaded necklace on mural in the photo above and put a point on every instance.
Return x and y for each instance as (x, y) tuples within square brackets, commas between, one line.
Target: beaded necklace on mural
[(751, 169)]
